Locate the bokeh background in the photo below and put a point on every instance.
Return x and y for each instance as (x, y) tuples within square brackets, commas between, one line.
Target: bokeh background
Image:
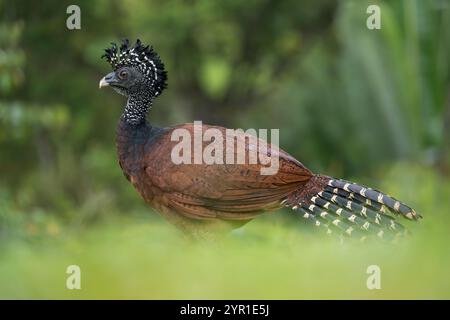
[(372, 106)]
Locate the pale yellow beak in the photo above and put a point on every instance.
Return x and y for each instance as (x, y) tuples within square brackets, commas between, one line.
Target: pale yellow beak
[(103, 83)]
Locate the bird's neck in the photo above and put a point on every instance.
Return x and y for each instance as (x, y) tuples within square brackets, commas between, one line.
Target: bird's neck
[(133, 127), (135, 112), (134, 135)]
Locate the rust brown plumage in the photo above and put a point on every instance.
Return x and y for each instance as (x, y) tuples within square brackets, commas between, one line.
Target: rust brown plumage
[(206, 199)]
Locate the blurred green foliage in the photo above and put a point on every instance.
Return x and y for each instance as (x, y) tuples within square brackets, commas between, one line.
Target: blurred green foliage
[(134, 259), (372, 105)]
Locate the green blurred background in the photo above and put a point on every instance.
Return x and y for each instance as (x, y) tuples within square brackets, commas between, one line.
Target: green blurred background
[(372, 106)]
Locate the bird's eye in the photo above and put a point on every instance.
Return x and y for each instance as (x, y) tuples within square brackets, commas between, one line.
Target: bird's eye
[(123, 74)]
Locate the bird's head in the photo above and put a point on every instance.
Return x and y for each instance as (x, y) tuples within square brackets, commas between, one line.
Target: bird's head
[(137, 70)]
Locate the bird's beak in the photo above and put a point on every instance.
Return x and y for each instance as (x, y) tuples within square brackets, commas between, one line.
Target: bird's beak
[(103, 83), (107, 80)]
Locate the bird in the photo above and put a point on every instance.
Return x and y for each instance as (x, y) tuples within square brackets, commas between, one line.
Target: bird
[(205, 200)]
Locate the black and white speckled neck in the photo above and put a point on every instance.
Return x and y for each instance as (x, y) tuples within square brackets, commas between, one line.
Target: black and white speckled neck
[(137, 107)]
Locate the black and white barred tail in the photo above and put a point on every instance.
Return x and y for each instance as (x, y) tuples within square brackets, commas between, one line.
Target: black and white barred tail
[(342, 207)]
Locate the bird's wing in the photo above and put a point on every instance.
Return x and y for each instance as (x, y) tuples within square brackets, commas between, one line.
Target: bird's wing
[(229, 190)]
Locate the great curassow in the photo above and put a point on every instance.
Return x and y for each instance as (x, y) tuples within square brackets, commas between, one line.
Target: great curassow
[(205, 199)]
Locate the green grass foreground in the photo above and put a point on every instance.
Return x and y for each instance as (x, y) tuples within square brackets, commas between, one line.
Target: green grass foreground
[(267, 259)]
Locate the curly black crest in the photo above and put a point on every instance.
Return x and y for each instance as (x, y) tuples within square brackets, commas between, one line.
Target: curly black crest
[(142, 57)]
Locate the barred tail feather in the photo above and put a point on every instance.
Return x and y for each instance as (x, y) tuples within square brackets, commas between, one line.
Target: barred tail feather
[(376, 197), (369, 213), (333, 221), (311, 217), (350, 209)]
